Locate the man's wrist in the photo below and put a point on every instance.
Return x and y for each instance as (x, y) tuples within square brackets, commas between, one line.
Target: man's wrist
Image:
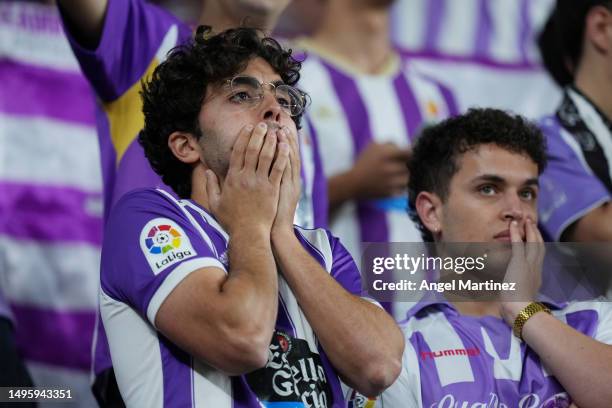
[(511, 310)]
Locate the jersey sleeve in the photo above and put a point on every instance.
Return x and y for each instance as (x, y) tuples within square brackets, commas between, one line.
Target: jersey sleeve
[(134, 33), (568, 188), (150, 246), (344, 269)]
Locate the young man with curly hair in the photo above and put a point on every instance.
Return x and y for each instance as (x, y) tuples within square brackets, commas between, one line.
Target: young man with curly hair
[(474, 179), (216, 298)]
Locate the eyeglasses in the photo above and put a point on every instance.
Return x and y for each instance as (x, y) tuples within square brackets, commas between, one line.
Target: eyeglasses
[(249, 92)]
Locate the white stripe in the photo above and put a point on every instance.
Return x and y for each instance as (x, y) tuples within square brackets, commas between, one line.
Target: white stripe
[(328, 118), (426, 93), (192, 220), (345, 224), (408, 19), (135, 352), (48, 49), (303, 330), (210, 220), (176, 277), (55, 276), (39, 150), (55, 377), (458, 27), (169, 41), (509, 368), (597, 126), (211, 387), (383, 109), (440, 335), (506, 19), (304, 214), (318, 240), (573, 144)]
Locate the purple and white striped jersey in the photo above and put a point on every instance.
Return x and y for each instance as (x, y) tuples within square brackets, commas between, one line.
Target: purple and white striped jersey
[(492, 31), (577, 178), (452, 360), (152, 242), (349, 110), (50, 198), (484, 50)]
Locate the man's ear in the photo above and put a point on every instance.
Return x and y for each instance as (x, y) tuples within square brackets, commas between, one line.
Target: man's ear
[(185, 147), (429, 207), (597, 28)]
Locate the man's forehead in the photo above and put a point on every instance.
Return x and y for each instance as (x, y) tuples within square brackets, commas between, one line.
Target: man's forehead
[(491, 160), (261, 70)]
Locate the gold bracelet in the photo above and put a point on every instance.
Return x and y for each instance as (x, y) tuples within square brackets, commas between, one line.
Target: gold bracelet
[(524, 315)]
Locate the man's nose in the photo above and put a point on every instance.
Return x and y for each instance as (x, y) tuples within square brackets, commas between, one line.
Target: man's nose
[(271, 109), (513, 208)]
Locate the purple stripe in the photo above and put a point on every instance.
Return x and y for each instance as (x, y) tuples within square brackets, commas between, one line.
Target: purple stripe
[(48, 213), (408, 105), (525, 31), (585, 321), (53, 337), (451, 104), (35, 91), (435, 14), (372, 221), (176, 374), (483, 30), (320, 204)]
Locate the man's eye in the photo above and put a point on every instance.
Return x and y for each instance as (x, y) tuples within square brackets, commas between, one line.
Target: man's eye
[(242, 96), (528, 194), (487, 189), (284, 102)]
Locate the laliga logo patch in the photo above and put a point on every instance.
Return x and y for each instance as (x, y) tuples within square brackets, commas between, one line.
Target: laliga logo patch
[(164, 243)]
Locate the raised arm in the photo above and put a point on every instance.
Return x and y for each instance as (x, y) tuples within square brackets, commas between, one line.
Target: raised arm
[(85, 19)]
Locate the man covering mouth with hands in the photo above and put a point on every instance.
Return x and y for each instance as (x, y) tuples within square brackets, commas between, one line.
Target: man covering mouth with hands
[(474, 179), (216, 298)]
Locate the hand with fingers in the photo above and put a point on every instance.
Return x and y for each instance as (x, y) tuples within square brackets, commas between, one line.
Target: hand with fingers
[(524, 269), (381, 171), (249, 196), (290, 185)]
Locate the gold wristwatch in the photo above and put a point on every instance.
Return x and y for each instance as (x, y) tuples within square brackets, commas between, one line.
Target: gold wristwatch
[(524, 315)]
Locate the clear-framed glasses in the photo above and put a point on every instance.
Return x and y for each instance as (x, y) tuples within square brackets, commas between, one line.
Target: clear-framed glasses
[(249, 92)]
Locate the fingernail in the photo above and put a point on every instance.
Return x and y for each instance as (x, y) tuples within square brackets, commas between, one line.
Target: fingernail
[(514, 222), (262, 125), (249, 128)]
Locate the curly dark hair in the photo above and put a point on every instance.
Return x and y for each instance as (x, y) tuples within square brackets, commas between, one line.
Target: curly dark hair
[(560, 41), (436, 153), (173, 96)]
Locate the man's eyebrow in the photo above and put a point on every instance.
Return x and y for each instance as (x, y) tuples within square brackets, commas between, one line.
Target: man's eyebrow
[(493, 178), (278, 82)]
